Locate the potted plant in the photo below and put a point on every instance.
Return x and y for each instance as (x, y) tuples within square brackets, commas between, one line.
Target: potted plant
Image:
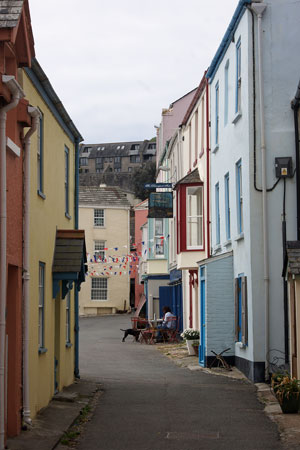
[(287, 392), (191, 336)]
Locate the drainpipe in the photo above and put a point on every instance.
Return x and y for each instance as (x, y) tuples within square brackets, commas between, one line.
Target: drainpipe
[(34, 113), (259, 9), (76, 299), (17, 94)]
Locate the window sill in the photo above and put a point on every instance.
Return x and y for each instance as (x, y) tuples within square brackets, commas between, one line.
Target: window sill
[(241, 345), (215, 149), (42, 350), (98, 226), (41, 194), (69, 345), (68, 216), (217, 248), (227, 243), (237, 117), (239, 237)]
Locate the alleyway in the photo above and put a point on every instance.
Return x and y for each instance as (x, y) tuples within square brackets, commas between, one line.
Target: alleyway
[(150, 403)]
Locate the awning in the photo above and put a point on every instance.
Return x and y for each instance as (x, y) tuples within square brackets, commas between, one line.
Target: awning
[(192, 177), (69, 262)]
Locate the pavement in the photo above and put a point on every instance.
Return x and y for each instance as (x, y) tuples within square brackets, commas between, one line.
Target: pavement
[(70, 409)]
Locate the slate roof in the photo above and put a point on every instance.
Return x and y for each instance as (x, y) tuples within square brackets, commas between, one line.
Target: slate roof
[(192, 177), (292, 259), (70, 253), (103, 196), (10, 12), (117, 149)]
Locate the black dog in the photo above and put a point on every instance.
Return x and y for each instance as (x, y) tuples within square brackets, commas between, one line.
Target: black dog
[(132, 332)]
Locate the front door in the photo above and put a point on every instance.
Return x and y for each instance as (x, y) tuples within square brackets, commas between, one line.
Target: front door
[(202, 318)]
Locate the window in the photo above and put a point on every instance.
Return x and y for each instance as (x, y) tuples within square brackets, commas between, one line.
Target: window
[(40, 155), (241, 309), (129, 169), (226, 93), (117, 169), (217, 201), (227, 206), (68, 318), (99, 161), (217, 114), (118, 148), (152, 146), (194, 217), (158, 237), (84, 161), (135, 147), (110, 160), (67, 181), (86, 149), (41, 332), (99, 289), (190, 146), (196, 134), (99, 247), (202, 125), (98, 217), (117, 159), (239, 195), (135, 158), (238, 77)]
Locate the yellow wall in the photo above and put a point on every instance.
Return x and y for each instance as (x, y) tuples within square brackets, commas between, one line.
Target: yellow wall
[(116, 234), (46, 215)]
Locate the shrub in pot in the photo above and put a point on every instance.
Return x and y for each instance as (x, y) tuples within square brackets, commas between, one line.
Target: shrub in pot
[(191, 336), (287, 392)]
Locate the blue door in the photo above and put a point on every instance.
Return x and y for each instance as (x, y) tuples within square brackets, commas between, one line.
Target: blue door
[(165, 298), (202, 318)]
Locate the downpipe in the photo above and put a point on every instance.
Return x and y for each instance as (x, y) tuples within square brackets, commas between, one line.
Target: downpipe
[(17, 94), (34, 113)]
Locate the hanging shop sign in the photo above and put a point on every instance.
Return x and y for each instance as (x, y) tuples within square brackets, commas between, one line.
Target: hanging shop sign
[(160, 205), (158, 185)]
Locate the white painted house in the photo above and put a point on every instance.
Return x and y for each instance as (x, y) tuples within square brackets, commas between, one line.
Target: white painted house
[(252, 81)]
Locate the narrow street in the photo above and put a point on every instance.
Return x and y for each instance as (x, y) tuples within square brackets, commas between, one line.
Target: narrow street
[(150, 403)]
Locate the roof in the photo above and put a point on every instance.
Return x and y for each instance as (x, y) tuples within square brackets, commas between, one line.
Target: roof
[(43, 85), (240, 9), (108, 196), (292, 259), (195, 99), (69, 262), (142, 205), (117, 149), (192, 177), (10, 12)]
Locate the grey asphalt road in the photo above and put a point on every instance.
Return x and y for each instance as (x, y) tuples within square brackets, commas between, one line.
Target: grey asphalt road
[(150, 403)]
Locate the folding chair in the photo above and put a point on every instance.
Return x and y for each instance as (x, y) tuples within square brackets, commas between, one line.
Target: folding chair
[(173, 333)]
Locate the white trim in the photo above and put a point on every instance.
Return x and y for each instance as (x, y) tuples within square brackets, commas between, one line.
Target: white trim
[(237, 117)]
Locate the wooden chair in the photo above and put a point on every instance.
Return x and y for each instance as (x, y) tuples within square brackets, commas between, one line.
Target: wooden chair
[(172, 334)]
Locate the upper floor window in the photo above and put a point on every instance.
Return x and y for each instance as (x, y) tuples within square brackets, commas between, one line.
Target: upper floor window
[(196, 135), (217, 204), (152, 146), (40, 155), (67, 164), (159, 237), (99, 161), (99, 248), (99, 217), (84, 161), (135, 158), (226, 93), (227, 206), (117, 159), (135, 147), (238, 77), (194, 217), (239, 197), (217, 94), (86, 149)]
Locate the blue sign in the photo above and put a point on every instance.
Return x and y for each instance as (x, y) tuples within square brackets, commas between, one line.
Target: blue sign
[(158, 185), (160, 205)]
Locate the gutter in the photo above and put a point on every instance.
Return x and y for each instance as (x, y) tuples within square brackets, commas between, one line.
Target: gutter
[(35, 114), (17, 94)]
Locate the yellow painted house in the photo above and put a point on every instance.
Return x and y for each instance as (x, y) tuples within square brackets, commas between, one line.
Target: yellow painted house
[(57, 247)]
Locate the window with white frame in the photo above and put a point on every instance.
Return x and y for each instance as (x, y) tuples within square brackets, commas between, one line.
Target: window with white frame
[(226, 92), (99, 247), (194, 216), (99, 289), (98, 217), (239, 197), (196, 135), (202, 124), (40, 155), (159, 237), (227, 206), (67, 181), (217, 204), (41, 332), (238, 77), (68, 318), (217, 113)]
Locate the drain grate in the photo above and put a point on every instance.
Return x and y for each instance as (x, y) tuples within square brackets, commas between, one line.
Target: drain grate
[(185, 436)]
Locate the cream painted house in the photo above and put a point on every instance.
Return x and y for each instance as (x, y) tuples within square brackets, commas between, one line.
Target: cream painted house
[(104, 214), (52, 345)]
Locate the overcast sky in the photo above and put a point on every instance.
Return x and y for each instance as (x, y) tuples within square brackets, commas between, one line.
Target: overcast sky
[(116, 63)]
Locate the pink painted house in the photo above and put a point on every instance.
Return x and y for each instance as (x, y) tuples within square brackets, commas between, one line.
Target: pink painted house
[(141, 213)]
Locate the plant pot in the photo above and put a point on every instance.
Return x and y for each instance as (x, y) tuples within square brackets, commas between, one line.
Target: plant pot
[(189, 344), (291, 404), (196, 349)]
